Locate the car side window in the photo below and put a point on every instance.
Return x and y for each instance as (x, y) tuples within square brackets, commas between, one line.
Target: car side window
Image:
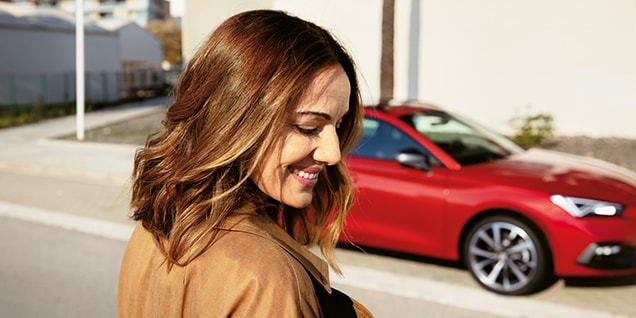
[(383, 141)]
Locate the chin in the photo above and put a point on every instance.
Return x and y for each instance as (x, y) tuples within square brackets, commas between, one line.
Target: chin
[(299, 204)]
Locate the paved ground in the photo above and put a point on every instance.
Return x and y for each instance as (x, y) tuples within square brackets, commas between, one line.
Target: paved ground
[(55, 273), (621, 151)]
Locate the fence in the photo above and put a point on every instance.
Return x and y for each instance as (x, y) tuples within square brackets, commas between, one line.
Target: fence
[(58, 88)]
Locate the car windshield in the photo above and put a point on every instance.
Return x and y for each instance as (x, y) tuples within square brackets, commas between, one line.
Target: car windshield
[(467, 142)]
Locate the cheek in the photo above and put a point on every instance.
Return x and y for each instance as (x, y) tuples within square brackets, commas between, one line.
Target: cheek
[(272, 169), (295, 150), (266, 170)]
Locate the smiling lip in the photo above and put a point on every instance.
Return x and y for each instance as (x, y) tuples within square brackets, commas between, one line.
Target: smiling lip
[(307, 177)]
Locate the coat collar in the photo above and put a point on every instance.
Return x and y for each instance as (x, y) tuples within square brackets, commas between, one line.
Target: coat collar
[(266, 228)]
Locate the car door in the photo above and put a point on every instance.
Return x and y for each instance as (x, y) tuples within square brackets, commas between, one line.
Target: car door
[(397, 207)]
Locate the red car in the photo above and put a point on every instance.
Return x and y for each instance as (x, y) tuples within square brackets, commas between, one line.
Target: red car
[(435, 184)]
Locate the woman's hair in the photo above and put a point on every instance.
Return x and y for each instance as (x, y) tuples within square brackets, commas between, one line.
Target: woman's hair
[(230, 106)]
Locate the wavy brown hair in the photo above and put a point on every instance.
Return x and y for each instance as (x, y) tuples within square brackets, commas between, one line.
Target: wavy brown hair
[(230, 105)]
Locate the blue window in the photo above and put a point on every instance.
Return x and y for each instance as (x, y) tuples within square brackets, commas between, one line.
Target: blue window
[(383, 141)]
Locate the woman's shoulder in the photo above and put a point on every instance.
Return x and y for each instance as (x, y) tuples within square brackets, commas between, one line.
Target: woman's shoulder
[(247, 253), (267, 240), (250, 273)]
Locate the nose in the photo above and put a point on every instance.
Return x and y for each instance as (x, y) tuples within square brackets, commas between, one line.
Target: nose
[(328, 149)]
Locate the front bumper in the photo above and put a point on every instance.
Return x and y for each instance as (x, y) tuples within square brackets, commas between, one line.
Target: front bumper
[(608, 256)]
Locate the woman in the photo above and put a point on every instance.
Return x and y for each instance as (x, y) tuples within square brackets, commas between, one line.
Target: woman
[(247, 172)]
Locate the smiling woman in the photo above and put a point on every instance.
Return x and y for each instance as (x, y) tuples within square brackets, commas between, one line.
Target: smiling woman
[(310, 143), (246, 174)]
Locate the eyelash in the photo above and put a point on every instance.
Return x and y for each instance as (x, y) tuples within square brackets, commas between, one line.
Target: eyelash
[(311, 131), (305, 131)]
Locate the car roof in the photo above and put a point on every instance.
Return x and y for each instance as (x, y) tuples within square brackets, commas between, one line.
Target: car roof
[(404, 109)]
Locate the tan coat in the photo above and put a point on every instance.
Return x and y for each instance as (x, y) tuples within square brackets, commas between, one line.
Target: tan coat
[(254, 269)]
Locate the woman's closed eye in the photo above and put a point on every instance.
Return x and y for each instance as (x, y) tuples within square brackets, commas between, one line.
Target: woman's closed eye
[(307, 130)]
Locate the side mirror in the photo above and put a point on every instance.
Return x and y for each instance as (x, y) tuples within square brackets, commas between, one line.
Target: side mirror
[(413, 158)]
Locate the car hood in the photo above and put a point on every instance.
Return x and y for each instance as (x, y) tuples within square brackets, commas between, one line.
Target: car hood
[(561, 173)]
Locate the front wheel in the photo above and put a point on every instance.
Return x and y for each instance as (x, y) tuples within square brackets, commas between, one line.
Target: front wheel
[(506, 256)]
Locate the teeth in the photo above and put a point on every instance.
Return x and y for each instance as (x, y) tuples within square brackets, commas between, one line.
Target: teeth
[(305, 175)]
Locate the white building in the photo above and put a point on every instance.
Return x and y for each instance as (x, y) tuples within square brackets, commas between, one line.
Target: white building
[(140, 56), (37, 58), (490, 60), (140, 11)]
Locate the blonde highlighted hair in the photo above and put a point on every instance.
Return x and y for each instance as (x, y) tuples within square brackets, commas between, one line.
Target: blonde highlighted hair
[(230, 105)]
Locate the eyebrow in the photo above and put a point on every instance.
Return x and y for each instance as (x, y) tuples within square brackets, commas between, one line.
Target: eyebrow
[(323, 115), (320, 114)]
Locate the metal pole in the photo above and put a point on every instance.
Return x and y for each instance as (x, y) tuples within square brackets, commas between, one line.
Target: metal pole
[(79, 67), (414, 51)]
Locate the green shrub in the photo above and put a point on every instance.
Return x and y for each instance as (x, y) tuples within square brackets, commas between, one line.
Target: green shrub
[(11, 115), (14, 115), (532, 130)]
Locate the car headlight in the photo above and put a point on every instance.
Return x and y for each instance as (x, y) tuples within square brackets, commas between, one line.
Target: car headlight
[(580, 207)]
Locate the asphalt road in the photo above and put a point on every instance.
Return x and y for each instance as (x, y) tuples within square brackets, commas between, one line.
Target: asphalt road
[(63, 262), (50, 272), (65, 273)]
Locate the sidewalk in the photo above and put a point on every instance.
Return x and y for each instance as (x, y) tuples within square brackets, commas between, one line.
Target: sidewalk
[(42, 175), (65, 189), (33, 149)]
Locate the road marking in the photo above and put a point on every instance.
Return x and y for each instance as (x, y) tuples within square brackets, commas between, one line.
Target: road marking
[(111, 230), (456, 295), (355, 276)]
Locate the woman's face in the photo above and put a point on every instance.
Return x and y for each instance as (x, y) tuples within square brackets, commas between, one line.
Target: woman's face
[(308, 143)]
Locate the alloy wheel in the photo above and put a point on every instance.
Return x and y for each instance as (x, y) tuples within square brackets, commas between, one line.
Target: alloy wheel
[(505, 256)]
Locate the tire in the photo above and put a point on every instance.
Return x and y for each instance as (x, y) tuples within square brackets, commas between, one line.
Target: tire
[(506, 256)]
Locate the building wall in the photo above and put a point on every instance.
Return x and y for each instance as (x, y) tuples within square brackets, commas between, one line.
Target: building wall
[(488, 59), (494, 60), (34, 51), (358, 26), (141, 57), (140, 11), (202, 16), (136, 44), (42, 63), (359, 35)]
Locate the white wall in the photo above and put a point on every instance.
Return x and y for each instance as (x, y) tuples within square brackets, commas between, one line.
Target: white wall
[(136, 44), (359, 34), (35, 52), (494, 60), (488, 59), (101, 52), (200, 17), (358, 26)]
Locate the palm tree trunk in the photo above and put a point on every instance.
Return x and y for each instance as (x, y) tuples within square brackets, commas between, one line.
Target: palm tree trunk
[(386, 59)]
